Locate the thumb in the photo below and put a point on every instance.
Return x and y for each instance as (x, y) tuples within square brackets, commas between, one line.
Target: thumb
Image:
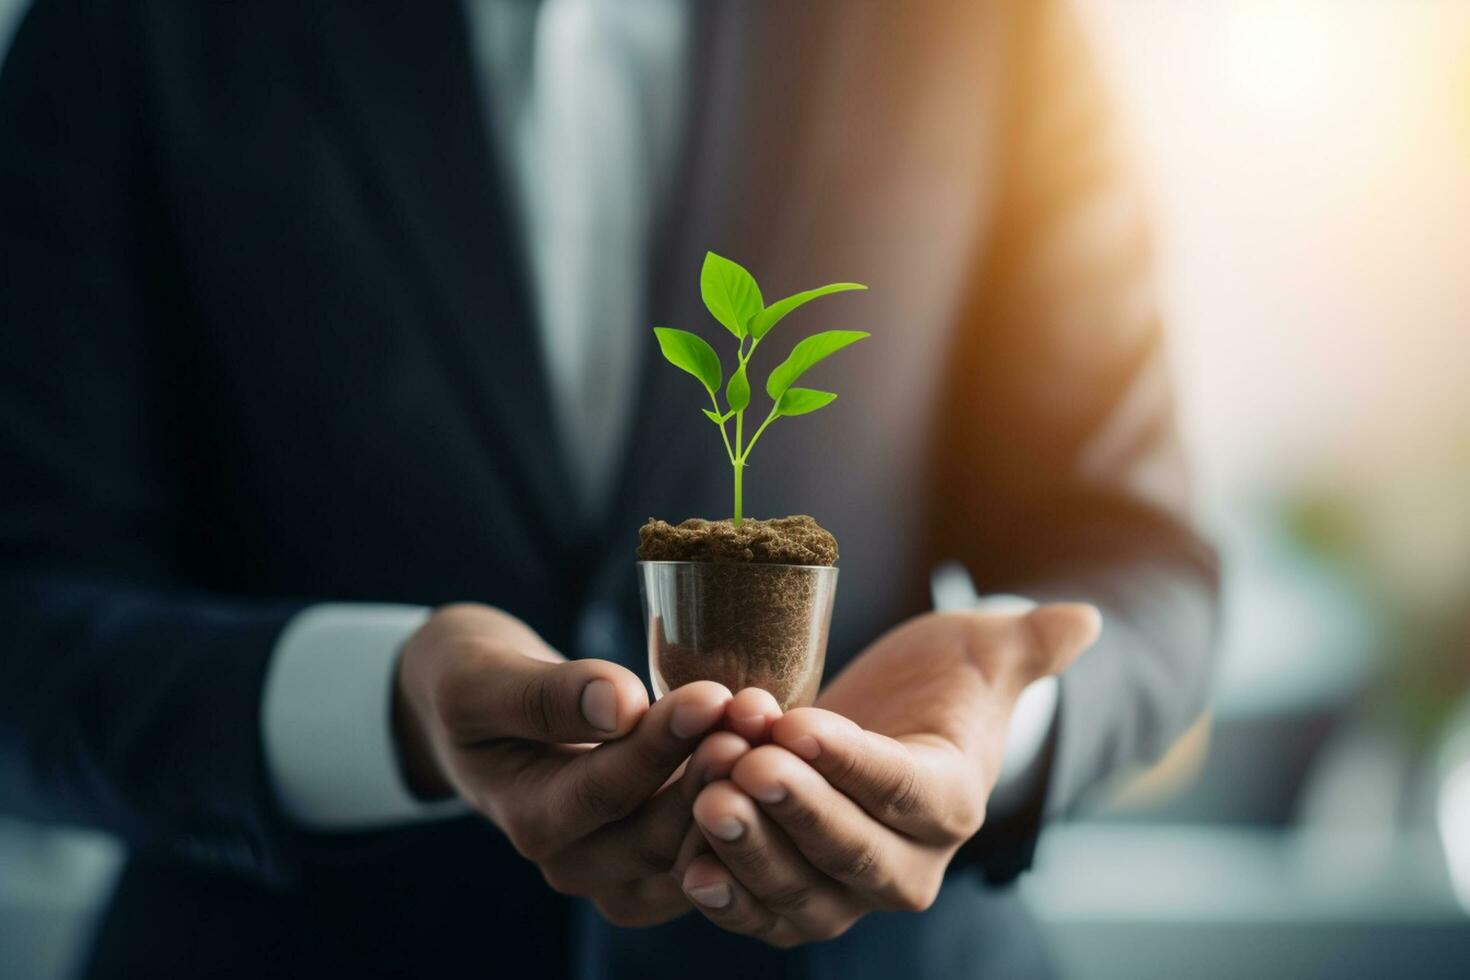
[(520, 696), (1060, 632)]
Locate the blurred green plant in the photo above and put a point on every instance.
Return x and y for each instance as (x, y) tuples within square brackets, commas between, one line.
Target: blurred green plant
[(733, 298), (1401, 537)]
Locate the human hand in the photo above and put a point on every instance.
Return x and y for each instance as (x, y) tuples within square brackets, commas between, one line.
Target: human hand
[(859, 803), (566, 757)]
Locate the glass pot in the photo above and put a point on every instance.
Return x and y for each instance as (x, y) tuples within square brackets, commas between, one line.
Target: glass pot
[(742, 624)]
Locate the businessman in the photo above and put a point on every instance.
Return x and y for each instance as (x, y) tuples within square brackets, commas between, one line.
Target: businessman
[(326, 423)]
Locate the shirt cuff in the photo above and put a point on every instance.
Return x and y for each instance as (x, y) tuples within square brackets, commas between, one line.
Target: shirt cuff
[(1036, 708), (327, 718)]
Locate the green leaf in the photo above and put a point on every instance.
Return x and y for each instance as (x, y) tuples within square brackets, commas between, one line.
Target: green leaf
[(691, 353), (772, 315), (717, 418), (800, 401), (811, 350), (730, 293), (737, 392)]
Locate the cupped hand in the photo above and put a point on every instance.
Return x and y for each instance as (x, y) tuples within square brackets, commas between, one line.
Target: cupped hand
[(860, 803), (566, 757)]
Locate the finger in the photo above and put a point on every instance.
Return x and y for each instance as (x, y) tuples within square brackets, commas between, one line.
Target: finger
[(768, 865), (908, 786), (1061, 631), (694, 845), (833, 833), (649, 902), (594, 788), (505, 694), (726, 903), (751, 714), (648, 842), (661, 829)]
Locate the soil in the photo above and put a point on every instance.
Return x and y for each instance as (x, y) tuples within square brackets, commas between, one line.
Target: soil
[(755, 605), (798, 540)]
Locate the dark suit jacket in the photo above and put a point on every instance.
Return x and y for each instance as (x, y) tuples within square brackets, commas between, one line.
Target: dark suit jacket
[(266, 342)]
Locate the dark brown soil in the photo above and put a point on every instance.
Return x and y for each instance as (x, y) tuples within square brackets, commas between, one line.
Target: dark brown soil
[(798, 540), (758, 622)]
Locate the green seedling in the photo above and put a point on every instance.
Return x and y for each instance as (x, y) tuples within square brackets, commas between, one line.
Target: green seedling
[(733, 298)]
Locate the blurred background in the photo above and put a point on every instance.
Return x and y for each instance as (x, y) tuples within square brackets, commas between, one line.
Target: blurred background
[(1309, 163), (1310, 169)]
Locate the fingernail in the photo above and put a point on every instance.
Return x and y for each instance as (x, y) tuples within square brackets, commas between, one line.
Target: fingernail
[(726, 828), (600, 706), (712, 896), (692, 719), (774, 793), (805, 746)]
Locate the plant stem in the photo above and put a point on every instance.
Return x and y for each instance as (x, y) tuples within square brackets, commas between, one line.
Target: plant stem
[(739, 471), (723, 434), (739, 463), (751, 445), (738, 454)]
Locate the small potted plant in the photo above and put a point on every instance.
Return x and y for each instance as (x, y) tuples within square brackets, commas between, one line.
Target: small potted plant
[(740, 601)]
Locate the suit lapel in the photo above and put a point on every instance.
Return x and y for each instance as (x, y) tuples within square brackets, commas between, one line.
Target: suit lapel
[(404, 75)]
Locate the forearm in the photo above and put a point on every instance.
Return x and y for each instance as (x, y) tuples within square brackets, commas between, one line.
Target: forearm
[(134, 710)]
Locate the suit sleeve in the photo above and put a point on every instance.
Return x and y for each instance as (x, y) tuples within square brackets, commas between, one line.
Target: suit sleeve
[(1061, 474), (129, 697)]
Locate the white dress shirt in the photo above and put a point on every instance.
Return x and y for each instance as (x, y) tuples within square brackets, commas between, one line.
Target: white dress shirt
[(583, 100)]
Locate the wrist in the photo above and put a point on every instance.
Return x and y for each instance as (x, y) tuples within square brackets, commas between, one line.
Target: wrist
[(414, 748)]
